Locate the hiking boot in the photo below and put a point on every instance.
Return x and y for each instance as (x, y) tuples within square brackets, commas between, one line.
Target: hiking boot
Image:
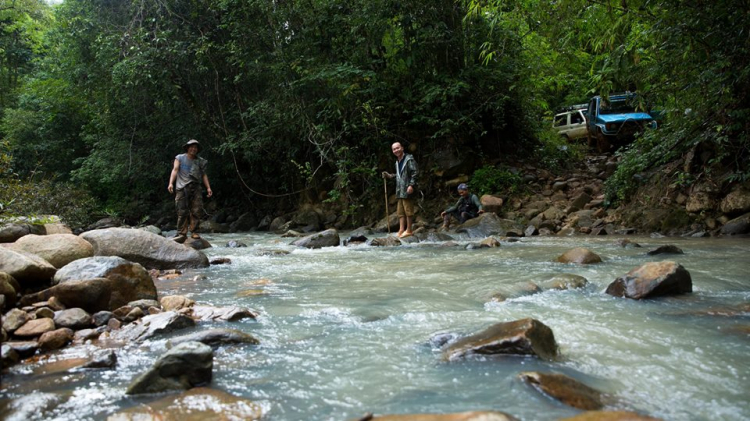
[(179, 238)]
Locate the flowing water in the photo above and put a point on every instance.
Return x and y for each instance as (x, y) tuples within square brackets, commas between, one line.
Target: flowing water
[(347, 330)]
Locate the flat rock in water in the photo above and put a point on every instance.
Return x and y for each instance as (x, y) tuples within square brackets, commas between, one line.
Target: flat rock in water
[(652, 279), (197, 404), (668, 249), (579, 255), (215, 338), (389, 241), (527, 337), (489, 224), (610, 416), (461, 416), (327, 238), (563, 281), (226, 314), (153, 325), (565, 389)]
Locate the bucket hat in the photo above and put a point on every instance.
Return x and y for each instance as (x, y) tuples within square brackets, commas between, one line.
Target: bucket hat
[(190, 143)]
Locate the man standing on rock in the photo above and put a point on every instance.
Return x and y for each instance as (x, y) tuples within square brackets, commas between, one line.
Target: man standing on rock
[(406, 186), (189, 172), (468, 206)]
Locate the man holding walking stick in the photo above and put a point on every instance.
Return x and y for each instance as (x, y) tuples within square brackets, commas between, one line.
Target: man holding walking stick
[(406, 186)]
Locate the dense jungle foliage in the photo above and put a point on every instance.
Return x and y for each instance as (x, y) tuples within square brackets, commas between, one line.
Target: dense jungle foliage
[(299, 101)]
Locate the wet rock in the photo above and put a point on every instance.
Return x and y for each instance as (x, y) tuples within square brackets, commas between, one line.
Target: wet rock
[(197, 243), (153, 325), (563, 281), (490, 242), (100, 318), (57, 249), (121, 312), (433, 237), (176, 302), (14, 319), (355, 239), (246, 222), (736, 226), (235, 244), (133, 315), (519, 337), (150, 250), (55, 339), (292, 234), (8, 355), (215, 338), (327, 238), (441, 339), (102, 359), (460, 416), (221, 261), (84, 335), (114, 324), (185, 366), (530, 231), (625, 243), (565, 389), (652, 279), (24, 349), (390, 241), (225, 314), (8, 289), (74, 318), (580, 256), (26, 268), (214, 405), (144, 304), (35, 328), (668, 249), (610, 416), (488, 224)]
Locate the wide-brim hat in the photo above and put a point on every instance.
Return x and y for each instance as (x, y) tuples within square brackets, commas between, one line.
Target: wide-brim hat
[(190, 143)]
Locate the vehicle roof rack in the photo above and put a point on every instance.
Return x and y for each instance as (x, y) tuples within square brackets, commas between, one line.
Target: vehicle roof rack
[(572, 107)]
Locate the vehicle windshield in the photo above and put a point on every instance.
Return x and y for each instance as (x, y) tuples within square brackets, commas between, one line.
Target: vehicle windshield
[(616, 107)]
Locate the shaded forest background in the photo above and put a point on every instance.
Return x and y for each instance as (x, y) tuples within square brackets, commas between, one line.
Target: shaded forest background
[(298, 101)]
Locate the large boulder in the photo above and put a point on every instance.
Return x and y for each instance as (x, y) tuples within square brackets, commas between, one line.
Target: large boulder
[(57, 249), (93, 267), (652, 279), (489, 224), (26, 268), (214, 405), (185, 366), (389, 223), (736, 202), (739, 225), (150, 250), (327, 238), (11, 232), (519, 337), (579, 255), (93, 295)]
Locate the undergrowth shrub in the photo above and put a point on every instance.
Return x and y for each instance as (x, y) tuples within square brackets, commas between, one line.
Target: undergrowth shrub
[(74, 206), (493, 180)]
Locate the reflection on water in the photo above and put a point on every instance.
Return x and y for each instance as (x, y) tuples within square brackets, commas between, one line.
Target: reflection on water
[(345, 331)]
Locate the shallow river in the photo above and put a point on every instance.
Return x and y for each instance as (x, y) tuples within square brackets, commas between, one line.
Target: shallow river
[(346, 330)]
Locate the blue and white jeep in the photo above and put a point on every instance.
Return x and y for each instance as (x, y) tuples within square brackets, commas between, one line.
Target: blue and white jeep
[(613, 121)]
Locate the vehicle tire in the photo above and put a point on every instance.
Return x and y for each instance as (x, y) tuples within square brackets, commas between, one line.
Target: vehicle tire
[(602, 144)]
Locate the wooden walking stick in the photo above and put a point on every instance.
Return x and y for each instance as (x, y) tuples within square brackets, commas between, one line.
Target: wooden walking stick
[(387, 213)]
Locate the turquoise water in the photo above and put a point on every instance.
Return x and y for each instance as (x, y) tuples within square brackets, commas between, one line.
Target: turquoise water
[(346, 330)]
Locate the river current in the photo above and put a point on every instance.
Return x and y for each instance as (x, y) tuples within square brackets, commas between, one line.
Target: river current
[(345, 331)]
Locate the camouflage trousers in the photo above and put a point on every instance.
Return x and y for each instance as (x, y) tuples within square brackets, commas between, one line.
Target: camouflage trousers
[(189, 202)]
